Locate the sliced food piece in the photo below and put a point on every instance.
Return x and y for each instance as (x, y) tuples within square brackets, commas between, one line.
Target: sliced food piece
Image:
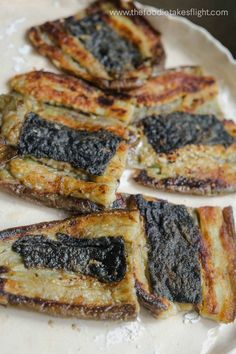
[(190, 261), (183, 152), (102, 44), (74, 169), (184, 88), (6, 152), (69, 92), (80, 267)]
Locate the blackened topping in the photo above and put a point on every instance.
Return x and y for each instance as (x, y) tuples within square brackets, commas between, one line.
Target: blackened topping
[(167, 133), (90, 151), (116, 53), (102, 258), (174, 245)]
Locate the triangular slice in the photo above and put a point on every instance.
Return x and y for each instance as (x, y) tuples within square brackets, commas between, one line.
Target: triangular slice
[(79, 267)]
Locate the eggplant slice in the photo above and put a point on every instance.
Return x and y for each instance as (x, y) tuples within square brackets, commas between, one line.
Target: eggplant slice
[(183, 152), (184, 88), (75, 164), (189, 257), (102, 44), (64, 267), (72, 93), (170, 257)]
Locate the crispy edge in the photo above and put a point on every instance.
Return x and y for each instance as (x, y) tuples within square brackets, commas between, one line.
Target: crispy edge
[(110, 312), (216, 277), (208, 186), (72, 93), (187, 83), (70, 204)]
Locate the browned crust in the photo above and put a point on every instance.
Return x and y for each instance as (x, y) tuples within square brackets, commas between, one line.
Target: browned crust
[(178, 82), (219, 274), (56, 308), (72, 93), (228, 239), (150, 301), (22, 230), (208, 186), (70, 204), (60, 38)]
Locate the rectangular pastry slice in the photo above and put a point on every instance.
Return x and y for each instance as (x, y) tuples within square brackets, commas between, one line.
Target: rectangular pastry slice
[(72, 93), (183, 152), (185, 88), (189, 257), (72, 165), (80, 267), (102, 44)]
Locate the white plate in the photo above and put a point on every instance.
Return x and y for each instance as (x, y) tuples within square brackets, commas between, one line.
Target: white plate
[(24, 332)]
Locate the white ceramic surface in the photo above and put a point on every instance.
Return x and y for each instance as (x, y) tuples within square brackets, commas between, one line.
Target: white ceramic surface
[(24, 332)]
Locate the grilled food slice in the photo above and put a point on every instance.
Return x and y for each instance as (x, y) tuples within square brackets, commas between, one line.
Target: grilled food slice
[(172, 258), (79, 267), (102, 45), (69, 92), (74, 169), (184, 88), (187, 153), (6, 152), (189, 259)]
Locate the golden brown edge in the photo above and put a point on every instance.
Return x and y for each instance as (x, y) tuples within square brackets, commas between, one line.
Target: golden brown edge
[(211, 308), (208, 187)]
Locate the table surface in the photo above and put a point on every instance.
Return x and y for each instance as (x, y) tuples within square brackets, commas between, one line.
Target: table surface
[(221, 27)]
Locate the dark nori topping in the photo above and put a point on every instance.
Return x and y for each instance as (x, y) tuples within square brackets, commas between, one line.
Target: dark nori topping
[(116, 53), (167, 133), (173, 255), (102, 258), (90, 151)]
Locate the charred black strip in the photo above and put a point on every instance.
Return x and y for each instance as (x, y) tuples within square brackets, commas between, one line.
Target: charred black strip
[(174, 246), (90, 151), (116, 53), (102, 258), (167, 133)]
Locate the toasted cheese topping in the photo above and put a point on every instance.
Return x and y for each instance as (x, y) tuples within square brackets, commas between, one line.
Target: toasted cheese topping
[(90, 151), (173, 241), (102, 258)]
